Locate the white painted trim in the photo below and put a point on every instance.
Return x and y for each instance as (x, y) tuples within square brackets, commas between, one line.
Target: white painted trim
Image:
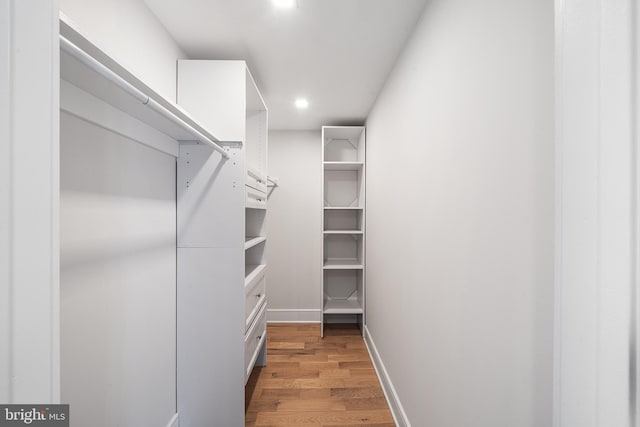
[(5, 200), (89, 108), (174, 421), (302, 315), (635, 291), (29, 202), (557, 298), (397, 410), (596, 212)]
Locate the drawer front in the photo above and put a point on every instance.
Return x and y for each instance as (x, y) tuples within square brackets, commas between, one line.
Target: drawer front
[(256, 181), (253, 299), (254, 339), (255, 199)]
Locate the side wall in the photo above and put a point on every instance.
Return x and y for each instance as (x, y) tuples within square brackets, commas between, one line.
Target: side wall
[(460, 167), (118, 232), (118, 278), (129, 32), (294, 229)]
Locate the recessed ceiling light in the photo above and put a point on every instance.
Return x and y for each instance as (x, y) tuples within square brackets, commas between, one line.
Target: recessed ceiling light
[(302, 103), (284, 4)]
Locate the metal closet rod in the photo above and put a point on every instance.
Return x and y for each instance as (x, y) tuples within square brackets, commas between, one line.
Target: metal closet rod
[(108, 74)]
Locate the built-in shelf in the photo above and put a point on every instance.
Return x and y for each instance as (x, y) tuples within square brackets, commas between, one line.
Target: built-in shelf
[(343, 264), (343, 166), (342, 306), (251, 271), (343, 232), (343, 208), (343, 224), (253, 241)]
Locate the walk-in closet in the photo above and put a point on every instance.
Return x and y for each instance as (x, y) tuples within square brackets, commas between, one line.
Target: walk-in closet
[(292, 213)]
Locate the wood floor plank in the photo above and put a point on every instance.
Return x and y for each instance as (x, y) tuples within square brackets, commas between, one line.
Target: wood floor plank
[(355, 392), (335, 373), (311, 405), (358, 364), (361, 425), (365, 403), (315, 418), (295, 373), (314, 381)]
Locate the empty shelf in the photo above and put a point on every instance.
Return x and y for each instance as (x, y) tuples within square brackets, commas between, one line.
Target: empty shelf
[(251, 271), (343, 166), (342, 306), (343, 264), (250, 242), (343, 232), (342, 208)]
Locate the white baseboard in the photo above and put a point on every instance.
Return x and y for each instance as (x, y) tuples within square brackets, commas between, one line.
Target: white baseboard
[(399, 416), (276, 315), (174, 422)]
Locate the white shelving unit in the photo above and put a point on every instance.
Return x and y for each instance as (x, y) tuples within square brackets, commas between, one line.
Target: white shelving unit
[(222, 238), (343, 219)]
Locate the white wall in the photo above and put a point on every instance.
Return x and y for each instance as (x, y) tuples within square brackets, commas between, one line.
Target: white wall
[(128, 31), (118, 278), (294, 229), (460, 172)]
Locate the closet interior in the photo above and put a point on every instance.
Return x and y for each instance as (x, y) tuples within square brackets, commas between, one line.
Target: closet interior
[(198, 171)]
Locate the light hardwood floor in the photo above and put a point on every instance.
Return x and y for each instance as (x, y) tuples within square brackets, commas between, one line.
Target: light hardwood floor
[(313, 381)]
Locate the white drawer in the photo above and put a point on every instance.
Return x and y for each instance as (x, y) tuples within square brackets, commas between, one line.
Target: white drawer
[(253, 299), (255, 199), (256, 180), (254, 339)]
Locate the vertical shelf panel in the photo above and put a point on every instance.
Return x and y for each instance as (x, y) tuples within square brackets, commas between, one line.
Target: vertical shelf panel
[(223, 243)]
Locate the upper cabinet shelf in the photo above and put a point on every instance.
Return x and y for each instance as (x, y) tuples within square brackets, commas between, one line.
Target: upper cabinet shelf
[(227, 99)]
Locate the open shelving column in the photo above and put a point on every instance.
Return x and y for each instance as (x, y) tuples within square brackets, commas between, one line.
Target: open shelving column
[(343, 229)]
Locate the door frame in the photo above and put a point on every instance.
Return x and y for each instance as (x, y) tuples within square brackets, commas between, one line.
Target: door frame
[(596, 213)]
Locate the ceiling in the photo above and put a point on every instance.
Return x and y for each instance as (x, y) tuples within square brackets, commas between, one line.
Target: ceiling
[(335, 53)]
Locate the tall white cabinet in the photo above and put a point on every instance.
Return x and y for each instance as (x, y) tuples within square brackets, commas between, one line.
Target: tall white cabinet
[(222, 243), (343, 219)]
